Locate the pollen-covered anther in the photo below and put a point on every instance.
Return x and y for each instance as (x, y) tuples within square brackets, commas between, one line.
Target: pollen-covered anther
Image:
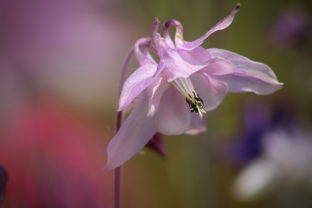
[(196, 104), (186, 89)]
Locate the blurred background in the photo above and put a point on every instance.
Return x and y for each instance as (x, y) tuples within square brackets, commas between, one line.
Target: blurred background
[(60, 62)]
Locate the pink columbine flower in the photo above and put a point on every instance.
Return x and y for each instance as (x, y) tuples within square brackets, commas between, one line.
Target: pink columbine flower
[(172, 96)]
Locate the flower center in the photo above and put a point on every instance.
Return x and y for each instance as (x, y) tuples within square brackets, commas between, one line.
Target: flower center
[(187, 90)]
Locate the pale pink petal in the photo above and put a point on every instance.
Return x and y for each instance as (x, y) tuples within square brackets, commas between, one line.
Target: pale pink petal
[(247, 75), (155, 26), (221, 25), (202, 57), (159, 41), (160, 68), (133, 135), (218, 67), (210, 90), (242, 82), (142, 54), (136, 83), (172, 65), (178, 33), (197, 56), (176, 67), (154, 92), (160, 45), (197, 124), (172, 116)]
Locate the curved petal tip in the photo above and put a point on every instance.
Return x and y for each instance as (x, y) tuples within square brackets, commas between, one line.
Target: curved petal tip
[(133, 135)]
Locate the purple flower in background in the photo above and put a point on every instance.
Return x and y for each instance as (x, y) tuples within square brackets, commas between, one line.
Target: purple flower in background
[(258, 121), (173, 95), (284, 164), (291, 28), (275, 151)]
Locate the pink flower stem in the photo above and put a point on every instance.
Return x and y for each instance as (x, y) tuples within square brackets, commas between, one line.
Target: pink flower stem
[(117, 170), (118, 124), (117, 188)]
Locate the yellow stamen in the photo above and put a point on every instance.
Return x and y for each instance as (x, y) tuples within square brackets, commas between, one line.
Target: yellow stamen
[(186, 89)]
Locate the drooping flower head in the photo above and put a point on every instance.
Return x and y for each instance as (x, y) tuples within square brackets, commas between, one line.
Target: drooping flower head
[(173, 95)]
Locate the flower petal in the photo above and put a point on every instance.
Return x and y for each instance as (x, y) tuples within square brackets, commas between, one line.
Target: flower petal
[(218, 67), (155, 92), (196, 56), (201, 56), (176, 67), (197, 124), (178, 33), (212, 91), (221, 25), (136, 83), (142, 54), (172, 65), (172, 116), (247, 76), (133, 135)]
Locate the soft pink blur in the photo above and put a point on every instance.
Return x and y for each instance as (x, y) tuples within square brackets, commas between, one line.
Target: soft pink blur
[(73, 48), (54, 158), (59, 60)]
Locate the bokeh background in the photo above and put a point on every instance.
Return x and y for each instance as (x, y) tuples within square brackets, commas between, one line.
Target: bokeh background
[(60, 62)]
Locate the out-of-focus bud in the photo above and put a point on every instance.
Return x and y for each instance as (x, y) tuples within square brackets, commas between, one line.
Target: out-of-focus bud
[(291, 28)]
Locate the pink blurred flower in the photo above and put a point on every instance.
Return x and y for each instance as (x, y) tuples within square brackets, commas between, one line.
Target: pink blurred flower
[(53, 158), (174, 94)]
